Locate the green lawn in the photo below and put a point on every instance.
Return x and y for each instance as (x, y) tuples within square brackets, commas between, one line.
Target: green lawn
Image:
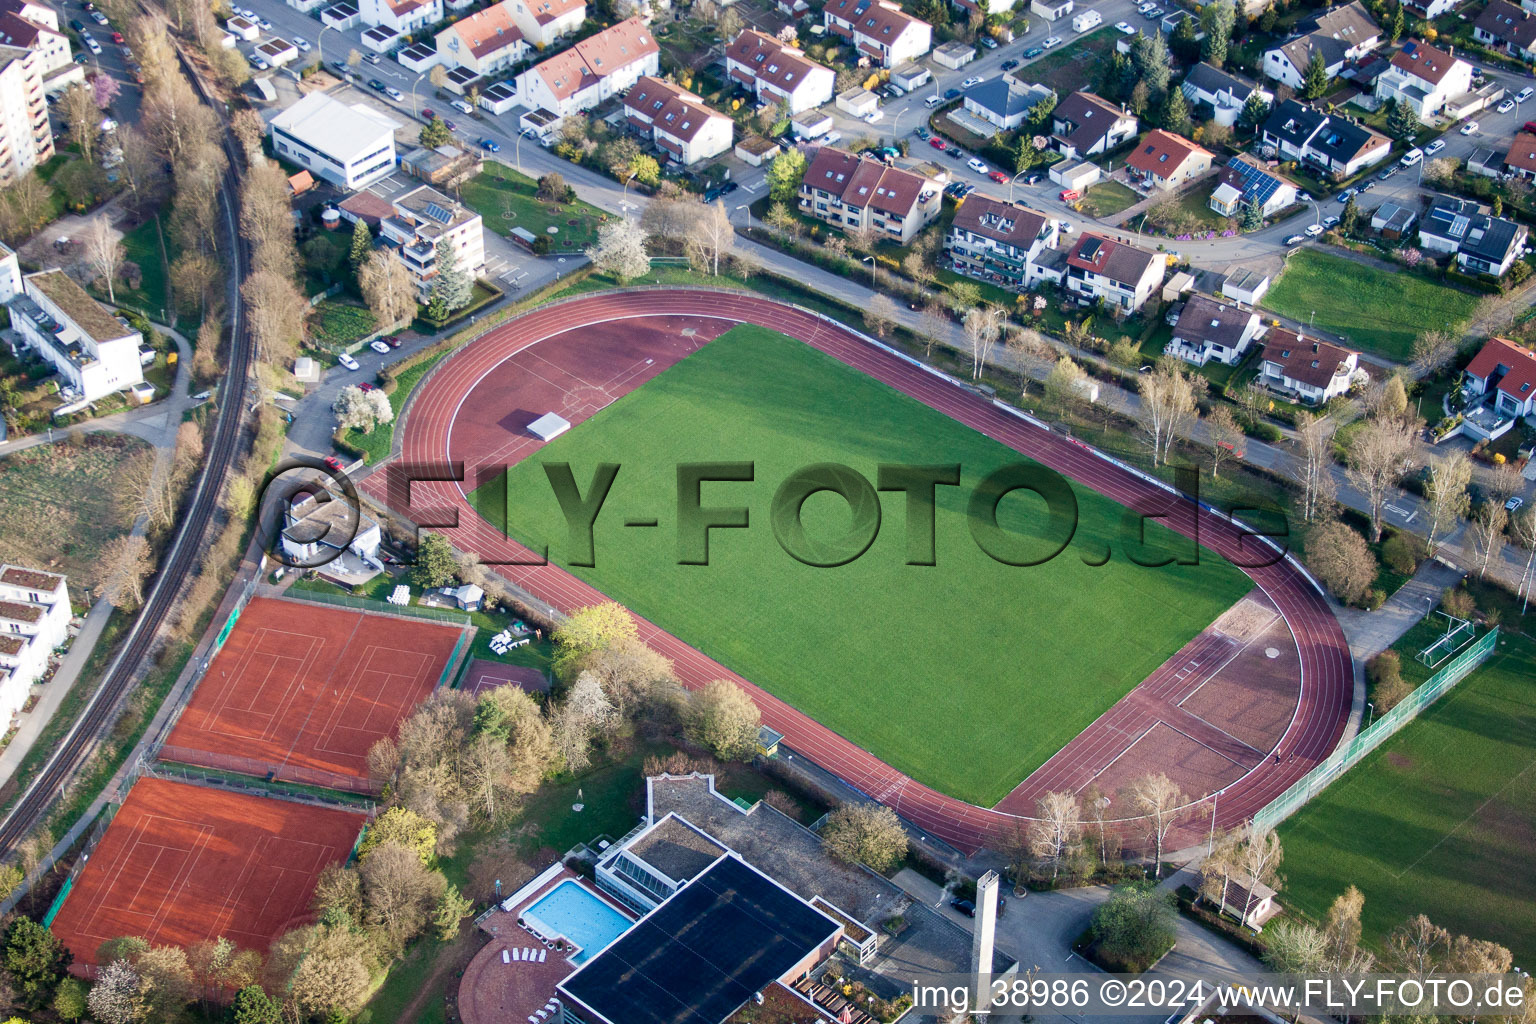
[(334, 325), (142, 246), (1108, 198), (915, 663), (506, 199), (1067, 68), (1439, 819), (1381, 312)]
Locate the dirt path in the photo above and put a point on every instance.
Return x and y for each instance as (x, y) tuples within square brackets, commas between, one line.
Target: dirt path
[(451, 961)]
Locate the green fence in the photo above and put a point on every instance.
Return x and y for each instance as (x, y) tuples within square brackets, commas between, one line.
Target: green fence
[(363, 604), (1344, 758), (451, 669)]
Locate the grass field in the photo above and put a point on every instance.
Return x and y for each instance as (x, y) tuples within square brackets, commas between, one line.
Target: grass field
[(916, 663), (1438, 820), (1068, 67), (507, 200), (1108, 198), (1379, 311)]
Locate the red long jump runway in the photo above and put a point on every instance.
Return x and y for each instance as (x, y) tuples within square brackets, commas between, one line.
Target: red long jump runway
[(183, 863), (431, 433), (302, 688)]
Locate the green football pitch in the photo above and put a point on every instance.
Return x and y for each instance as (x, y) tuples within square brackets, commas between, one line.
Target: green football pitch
[(1439, 819), (966, 674)]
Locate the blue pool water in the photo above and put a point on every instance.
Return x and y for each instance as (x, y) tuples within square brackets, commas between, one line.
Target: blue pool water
[(571, 911)]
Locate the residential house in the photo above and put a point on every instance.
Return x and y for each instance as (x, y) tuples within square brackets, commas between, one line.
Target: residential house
[(1327, 143), (1520, 160), (879, 30), (34, 27), (1084, 125), (1483, 244), (26, 139), (1313, 371), (777, 73), (1429, 10), (401, 17), (1505, 372), (1004, 102), (1098, 268), (1223, 94), (999, 241), (1424, 78), (1244, 181), (1508, 27), (34, 621), (420, 221), (93, 351), (10, 274), (677, 121), (349, 145), (544, 21), (486, 42), (1168, 161), (1341, 34), (324, 530), (1210, 329), (595, 69), (856, 192)]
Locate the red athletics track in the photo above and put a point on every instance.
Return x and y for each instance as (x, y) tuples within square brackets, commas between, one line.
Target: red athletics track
[(1326, 683), (183, 863)]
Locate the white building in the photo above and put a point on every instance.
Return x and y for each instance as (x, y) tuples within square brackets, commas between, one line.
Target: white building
[(34, 620), (402, 17), (1116, 273), (1225, 94), (1424, 78), (26, 139), (777, 73), (544, 21), (677, 121), (998, 241), (857, 192), (595, 69), (422, 219), (1313, 371), (92, 350), (10, 274), (879, 30), (1340, 35), (486, 42), (35, 27), (1208, 329), (349, 146), (313, 528)]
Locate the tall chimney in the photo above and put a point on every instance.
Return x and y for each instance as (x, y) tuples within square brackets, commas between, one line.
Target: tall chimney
[(982, 937)]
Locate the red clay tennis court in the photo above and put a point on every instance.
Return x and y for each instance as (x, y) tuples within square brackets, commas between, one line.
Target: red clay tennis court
[(304, 690), (181, 863)]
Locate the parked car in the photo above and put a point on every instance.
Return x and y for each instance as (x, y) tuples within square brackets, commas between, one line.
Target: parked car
[(1435, 147), (1295, 240), (1313, 230), (490, 145), (1033, 52), (1505, 107), (989, 42), (1412, 157), (720, 191), (1346, 195), (938, 143), (450, 125), (1470, 128), (1032, 177), (1070, 195), (1524, 94), (1009, 64), (117, 37), (264, 24), (978, 166), (1384, 175), (259, 63), (392, 340), (302, 44), (98, 17), (1125, 28), (999, 177), (1329, 222), (377, 344), (77, 24), (951, 94), (1053, 41), (920, 132), (348, 362), (371, 58), (367, 386), (1513, 504), (92, 45), (973, 80), (1367, 187), (394, 94), (376, 85), (428, 113), (340, 67), (965, 907), (333, 463)]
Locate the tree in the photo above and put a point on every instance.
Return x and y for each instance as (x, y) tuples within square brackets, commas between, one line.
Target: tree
[(1149, 55), (1433, 351), (1026, 156), (69, 1001), (1218, 19), (620, 250), (1341, 560), (1318, 487), (434, 565), (35, 960), (1254, 111), (722, 718), (1176, 112), (115, 998), (1185, 44), (983, 325), (712, 237), (1522, 530), (274, 311), (82, 115), (1064, 385), (585, 711), (932, 324), (1315, 81), (452, 283), (552, 188), (868, 834), (1294, 947), (1258, 856), (331, 973), (452, 908), (1397, 24), (1488, 523), (1056, 829), (125, 563), (1376, 457), (1417, 946), (357, 409), (1169, 400), (588, 629), (1402, 122), (1341, 929), (165, 982), (254, 1006), (880, 314), (1252, 214), (103, 252), (1389, 400), (1387, 685), (1160, 802), (399, 891), (387, 287), (362, 245), (1350, 218), (1224, 435), (1135, 926)]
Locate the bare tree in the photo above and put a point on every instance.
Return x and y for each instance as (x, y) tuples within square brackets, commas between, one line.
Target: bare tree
[(275, 312), (983, 325), (249, 130), (387, 287), (1342, 929), (1341, 560), (83, 117), (103, 251), (1522, 530), (1057, 826), (1160, 803), (712, 237), (1318, 487), (1224, 435), (1169, 400), (1417, 946), (880, 315), (1377, 457), (266, 218), (1433, 351), (1488, 524), (1445, 492), (125, 564), (932, 324), (1259, 854), (143, 169)]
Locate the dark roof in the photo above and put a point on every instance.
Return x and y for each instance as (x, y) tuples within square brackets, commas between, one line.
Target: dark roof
[(1492, 238), (1209, 79), (1508, 22), (1293, 122), (676, 849), (1311, 362), (723, 937), (1475, 233), (1088, 119), (1257, 184), (1004, 97), (1342, 141), (860, 181), (1206, 321), (1115, 260), (991, 218)]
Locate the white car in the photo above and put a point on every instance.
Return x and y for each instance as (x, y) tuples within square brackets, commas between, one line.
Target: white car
[(874, 116), (98, 17), (1313, 230), (1506, 106), (1053, 41), (301, 43), (978, 166), (93, 46), (348, 362), (1412, 157), (1524, 94), (394, 94), (379, 347), (259, 64), (1434, 147), (371, 58), (246, 13), (973, 80), (1125, 28), (1144, 8), (1470, 128)]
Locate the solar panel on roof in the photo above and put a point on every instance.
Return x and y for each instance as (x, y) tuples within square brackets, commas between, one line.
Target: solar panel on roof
[(439, 214)]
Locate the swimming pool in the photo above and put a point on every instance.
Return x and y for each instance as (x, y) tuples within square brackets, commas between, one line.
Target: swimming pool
[(570, 911)]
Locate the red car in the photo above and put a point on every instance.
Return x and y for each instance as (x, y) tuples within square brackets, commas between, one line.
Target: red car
[(428, 113), (999, 177), (1070, 195), (365, 387), (393, 341), (333, 463), (117, 37), (938, 143)]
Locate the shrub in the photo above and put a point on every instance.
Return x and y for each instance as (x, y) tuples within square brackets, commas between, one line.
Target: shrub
[(1402, 552), (1135, 927), (1388, 688), (1458, 602)]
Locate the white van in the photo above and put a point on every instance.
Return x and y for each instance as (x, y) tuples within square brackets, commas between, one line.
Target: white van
[(461, 106), (1086, 20), (933, 101), (1412, 157)]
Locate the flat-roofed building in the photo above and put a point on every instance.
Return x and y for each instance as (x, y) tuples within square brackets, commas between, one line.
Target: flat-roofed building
[(350, 146), (34, 620), (423, 219), (94, 351)]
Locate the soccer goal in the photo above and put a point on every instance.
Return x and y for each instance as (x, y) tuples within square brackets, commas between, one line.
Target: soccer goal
[(1458, 633)]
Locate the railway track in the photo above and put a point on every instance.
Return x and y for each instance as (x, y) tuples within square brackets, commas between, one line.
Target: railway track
[(187, 544)]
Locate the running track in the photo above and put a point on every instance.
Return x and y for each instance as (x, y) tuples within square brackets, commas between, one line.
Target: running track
[(1327, 683)]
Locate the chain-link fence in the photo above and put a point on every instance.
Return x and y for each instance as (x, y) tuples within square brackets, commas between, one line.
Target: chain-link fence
[(269, 770), (275, 788), (1344, 758), (363, 604)]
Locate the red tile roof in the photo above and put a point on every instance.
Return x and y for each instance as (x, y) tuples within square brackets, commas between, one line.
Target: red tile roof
[(1311, 362), (672, 110), (596, 57), (861, 182), (1519, 380), (1424, 62), (783, 67), (1002, 222), (1117, 261), (547, 11), (1162, 153), (883, 22), (1522, 152), (487, 31)]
